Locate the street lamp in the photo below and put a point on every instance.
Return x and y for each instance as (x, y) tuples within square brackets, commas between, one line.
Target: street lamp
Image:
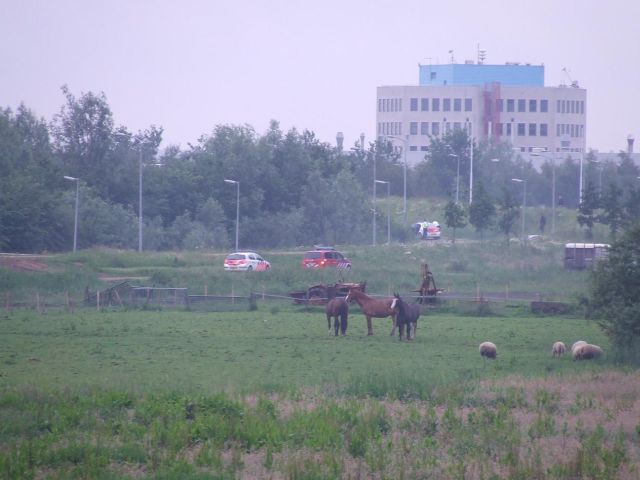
[(388, 210), (75, 223), (237, 206), (553, 190), (524, 201), (600, 168), (457, 175), (470, 162), (405, 142)]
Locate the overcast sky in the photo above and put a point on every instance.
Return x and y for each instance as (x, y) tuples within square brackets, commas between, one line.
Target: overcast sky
[(190, 65)]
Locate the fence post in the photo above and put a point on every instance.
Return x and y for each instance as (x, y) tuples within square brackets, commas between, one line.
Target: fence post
[(206, 290), (38, 302), (252, 302), (98, 300)]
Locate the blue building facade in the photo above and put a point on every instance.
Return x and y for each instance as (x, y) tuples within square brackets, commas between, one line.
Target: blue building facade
[(479, 74)]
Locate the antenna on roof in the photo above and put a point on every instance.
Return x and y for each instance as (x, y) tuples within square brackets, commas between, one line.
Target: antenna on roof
[(573, 83), (453, 60), (482, 55)]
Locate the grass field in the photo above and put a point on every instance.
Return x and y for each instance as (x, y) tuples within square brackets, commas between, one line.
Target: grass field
[(277, 347), (269, 393)]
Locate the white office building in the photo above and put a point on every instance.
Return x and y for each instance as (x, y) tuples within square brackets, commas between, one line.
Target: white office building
[(502, 102)]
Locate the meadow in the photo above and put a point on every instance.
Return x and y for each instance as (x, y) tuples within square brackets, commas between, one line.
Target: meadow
[(269, 393)]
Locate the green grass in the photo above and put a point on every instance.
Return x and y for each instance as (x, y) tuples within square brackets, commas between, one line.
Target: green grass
[(260, 394), (280, 348)]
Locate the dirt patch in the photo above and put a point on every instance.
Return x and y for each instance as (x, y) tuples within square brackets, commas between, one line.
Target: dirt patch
[(23, 264)]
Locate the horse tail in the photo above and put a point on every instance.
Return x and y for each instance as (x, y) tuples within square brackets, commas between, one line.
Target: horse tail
[(344, 316)]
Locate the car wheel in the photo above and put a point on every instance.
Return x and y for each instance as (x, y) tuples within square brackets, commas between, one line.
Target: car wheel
[(249, 268)]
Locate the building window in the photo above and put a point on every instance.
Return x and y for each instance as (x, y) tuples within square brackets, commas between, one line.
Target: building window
[(582, 107), (511, 105), (521, 129), (572, 131), (500, 105), (468, 105), (533, 130), (435, 104), (424, 128), (533, 105), (414, 104), (543, 129), (379, 105), (399, 104), (413, 148), (522, 105), (446, 105), (435, 128), (424, 148), (544, 106), (457, 104), (413, 128), (424, 104), (508, 129)]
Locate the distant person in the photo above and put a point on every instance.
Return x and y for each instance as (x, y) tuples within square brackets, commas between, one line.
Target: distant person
[(543, 223)]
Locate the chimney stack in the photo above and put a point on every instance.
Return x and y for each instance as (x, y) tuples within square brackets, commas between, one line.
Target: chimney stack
[(630, 140)]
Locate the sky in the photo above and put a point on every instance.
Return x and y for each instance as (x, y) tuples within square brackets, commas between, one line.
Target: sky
[(191, 65)]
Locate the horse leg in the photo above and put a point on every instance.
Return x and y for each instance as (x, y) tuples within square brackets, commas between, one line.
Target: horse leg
[(394, 320), (401, 331), (329, 322), (335, 324), (343, 323), (369, 327)]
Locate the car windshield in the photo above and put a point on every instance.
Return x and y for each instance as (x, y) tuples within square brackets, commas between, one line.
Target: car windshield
[(235, 256)]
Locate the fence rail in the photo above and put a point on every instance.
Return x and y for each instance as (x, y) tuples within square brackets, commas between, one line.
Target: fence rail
[(179, 298)]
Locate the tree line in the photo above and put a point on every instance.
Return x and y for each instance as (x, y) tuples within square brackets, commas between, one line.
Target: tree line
[(294, 188)]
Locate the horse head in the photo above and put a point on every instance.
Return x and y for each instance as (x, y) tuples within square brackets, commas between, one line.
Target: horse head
[(396, 303)]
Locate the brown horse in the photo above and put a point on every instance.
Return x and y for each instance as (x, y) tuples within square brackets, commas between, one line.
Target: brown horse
[(338, 308), (374, 307)]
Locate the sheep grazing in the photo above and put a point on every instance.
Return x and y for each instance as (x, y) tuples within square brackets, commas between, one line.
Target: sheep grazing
[(575, 346), (558, 349), (488, 350), (587, 352)]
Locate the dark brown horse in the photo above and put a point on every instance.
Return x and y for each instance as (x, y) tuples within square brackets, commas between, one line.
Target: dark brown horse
[(338, 308), (374, 307), (408, 314)]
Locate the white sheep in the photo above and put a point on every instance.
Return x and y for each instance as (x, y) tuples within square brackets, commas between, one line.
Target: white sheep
[(558, 349), (575, 346), (587, 352), (488, 350)]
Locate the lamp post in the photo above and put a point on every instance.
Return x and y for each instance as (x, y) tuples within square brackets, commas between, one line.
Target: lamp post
[(457, 175), (524, 201), (237, 206), (553, 191), (405, 143), (600, 167), (388, 210), (75, 223), (470, 162), (374, 200)]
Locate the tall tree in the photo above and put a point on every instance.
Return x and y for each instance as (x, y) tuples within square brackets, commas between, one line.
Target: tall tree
[(587, 211), (455, 217), (482, 211), (507, 213), (82, 137), (614, 298), (613, 212)]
